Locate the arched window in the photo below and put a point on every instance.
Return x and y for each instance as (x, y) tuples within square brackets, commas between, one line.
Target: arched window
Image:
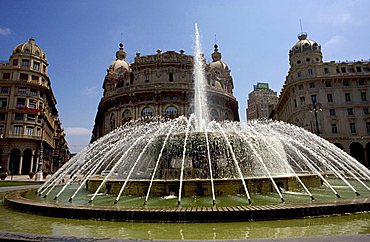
[(112, 122), (171, 112), (147, 111), (126, 116), (357, 151), (227, 116), (214, 115)]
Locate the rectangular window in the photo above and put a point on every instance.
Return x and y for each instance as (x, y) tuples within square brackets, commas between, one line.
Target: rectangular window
[(358, 68), (334, 128), (32, 104), (300, 87), (2, 129), (34, 78), (299, 74), (303, 100), (146, 75), (343, 69), (18, 130), (4, 90), (326, 70), (352, 126), (3, 102), (33, 92), (351, 70), (366, 69), (23, 77), (348, 97), (6, 76), (361, 82), (2, 116), (313, 98), (22, 90), (366, 110), (330, 98), (310, 72), (345, 83), (29, 131), (44, 68), (19, 116), (311, 85), (36, 65), (170, 77), (368, 127), (363, 96), (328, 83), (332, 112), (15, 62), (338, 71), (350, 111), (295, 103), (21, 102), (25, 63), (31, 117)]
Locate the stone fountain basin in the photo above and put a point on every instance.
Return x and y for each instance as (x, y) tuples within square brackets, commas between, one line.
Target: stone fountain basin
[(16, 201)]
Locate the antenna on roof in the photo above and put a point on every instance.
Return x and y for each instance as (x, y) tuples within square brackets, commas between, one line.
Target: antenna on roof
[(302, 35)]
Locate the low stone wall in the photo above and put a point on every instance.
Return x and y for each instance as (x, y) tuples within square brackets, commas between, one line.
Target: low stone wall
[(202, 187)]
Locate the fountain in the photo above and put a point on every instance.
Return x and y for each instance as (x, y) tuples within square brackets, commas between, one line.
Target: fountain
[(162, 171)]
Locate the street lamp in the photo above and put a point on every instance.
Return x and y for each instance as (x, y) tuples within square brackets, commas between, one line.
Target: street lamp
[(38, 176), (315, 107)]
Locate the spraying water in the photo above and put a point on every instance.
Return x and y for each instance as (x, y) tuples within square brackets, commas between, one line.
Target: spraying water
[(200, 97)]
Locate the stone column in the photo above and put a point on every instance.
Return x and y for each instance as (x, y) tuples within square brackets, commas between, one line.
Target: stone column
[(20, 164), (32, 157), (8, 165)]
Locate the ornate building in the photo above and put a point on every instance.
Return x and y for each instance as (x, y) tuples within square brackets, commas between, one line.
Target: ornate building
[(261, 101), (30, 130), (331, 99), (161, 85)]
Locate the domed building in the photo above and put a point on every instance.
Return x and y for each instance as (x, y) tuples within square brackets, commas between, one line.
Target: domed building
[(331, 99), (31, 134), (161, 86)]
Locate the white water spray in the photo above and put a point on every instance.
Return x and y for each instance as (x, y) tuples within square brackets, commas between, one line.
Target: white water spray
[(200, 95)]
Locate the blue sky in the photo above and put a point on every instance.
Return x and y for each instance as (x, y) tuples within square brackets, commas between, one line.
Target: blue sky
[(80, 39)]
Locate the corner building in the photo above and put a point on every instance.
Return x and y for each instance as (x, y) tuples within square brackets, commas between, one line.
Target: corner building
[(336, 93), (31, 133), (161, 85)]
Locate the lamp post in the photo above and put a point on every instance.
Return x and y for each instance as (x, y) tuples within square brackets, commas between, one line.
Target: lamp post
[(38, 176), (315, 107)]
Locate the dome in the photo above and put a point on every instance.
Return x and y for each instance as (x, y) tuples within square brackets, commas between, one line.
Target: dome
[(219, 65), (30, 47), (304, 45), (216, 60), (120, 62)]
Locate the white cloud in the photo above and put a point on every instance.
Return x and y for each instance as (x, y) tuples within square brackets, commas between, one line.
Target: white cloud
[(70, 131), (335, 42), (5, 31), (90, 91)]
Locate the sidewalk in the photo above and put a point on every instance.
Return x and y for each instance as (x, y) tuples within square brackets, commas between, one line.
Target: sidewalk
[(24, 178)]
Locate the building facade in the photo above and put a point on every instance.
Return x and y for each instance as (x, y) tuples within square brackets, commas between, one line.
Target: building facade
[(261, 101), (161, 85), (31, 133), (331, 99)]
